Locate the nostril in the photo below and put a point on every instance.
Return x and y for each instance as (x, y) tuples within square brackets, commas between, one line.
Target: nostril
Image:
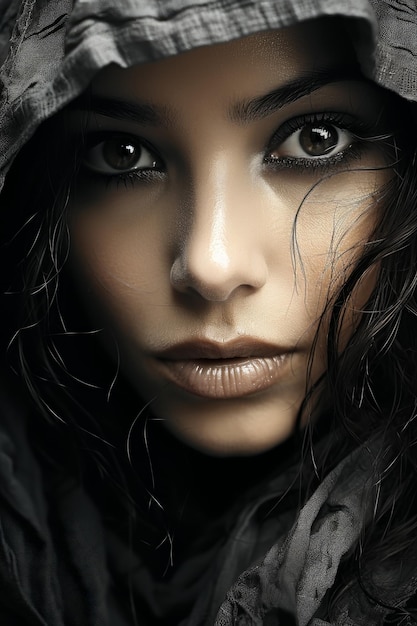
[(218, 253), (178, 275), (214, 282)]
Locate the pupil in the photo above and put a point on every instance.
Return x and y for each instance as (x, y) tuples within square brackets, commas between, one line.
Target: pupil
[(318, 140), (120, 155)]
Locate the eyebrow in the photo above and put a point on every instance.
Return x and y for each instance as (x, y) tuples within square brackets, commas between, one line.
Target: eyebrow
[(242, 112), (252, 110), (138, 112)]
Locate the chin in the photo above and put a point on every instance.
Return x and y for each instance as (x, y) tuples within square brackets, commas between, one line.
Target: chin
[(223, 437)]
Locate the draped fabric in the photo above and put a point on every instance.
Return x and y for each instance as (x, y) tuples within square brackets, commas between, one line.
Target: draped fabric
[(60, 565), (51, 50)]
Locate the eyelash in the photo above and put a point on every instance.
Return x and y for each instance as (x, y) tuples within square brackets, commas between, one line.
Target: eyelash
[(94, 139), (361, 131)]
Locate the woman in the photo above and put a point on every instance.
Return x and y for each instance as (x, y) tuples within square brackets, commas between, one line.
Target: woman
[(208, 282)]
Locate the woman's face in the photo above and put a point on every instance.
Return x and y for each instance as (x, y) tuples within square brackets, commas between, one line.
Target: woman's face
[(225, 194)]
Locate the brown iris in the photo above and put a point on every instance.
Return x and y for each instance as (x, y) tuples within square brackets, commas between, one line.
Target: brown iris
[(121, 154), (318, 139)]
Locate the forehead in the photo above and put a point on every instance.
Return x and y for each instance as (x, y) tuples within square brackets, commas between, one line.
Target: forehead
[(244, 66)]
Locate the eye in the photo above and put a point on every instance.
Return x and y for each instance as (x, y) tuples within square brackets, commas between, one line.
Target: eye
[(119, 154), (312, 140)]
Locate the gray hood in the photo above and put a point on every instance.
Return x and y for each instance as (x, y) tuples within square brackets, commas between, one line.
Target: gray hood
[(51, 49)]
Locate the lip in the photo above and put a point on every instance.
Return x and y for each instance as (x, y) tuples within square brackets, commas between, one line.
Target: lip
[(223, 370)]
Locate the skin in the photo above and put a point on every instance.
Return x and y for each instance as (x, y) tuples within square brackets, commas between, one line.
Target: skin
[(205, 247)]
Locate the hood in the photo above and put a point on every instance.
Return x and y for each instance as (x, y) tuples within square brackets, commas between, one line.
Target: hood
[(51, 50)]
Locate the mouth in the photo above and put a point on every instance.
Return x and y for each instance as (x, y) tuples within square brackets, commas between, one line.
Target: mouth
[(223, 370)]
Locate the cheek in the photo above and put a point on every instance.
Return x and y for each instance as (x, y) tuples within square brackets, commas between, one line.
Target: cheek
[(119, 259), (333, 227)]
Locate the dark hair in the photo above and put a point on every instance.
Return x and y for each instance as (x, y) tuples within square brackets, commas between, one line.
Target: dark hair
[(372, 381)]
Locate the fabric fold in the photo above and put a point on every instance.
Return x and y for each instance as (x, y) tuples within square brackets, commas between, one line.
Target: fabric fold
[(296, 576)]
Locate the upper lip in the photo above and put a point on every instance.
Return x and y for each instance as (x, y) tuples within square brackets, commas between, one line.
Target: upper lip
[(237, 348)]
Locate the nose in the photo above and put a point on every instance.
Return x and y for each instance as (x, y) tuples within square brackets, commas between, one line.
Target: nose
[(220, 243)]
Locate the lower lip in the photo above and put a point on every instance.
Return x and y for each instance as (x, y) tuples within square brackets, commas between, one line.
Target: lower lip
[(224, 378)]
